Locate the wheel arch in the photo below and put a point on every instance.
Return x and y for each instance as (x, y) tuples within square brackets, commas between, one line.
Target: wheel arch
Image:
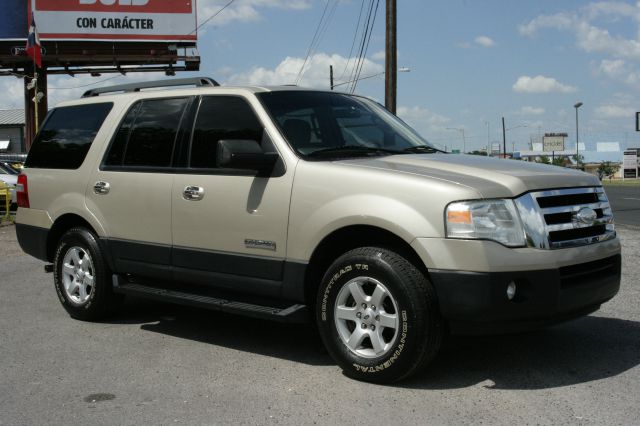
[(62, 225), (347, 238)]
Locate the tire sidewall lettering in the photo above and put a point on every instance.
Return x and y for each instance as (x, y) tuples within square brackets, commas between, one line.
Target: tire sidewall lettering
[(394, 356), (328, 302)]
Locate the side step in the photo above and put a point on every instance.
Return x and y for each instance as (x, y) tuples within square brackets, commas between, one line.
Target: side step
[(291, 314)]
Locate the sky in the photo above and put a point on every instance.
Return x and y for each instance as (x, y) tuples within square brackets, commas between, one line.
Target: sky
[(467, 63)]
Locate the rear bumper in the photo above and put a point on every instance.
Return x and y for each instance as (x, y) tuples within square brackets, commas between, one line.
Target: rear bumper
[(33, 240), (476, 302)]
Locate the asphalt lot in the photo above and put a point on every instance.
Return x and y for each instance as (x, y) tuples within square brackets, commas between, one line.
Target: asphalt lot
[(163, 364), (625, 202)]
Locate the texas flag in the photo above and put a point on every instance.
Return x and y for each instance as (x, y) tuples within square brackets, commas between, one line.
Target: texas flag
[(33, 44)]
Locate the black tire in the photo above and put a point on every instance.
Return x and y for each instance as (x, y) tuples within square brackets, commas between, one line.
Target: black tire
[(408, 345), (82, 251)]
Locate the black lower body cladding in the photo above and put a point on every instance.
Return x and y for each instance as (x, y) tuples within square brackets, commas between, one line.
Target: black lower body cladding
[(477, 302), (33, 240)]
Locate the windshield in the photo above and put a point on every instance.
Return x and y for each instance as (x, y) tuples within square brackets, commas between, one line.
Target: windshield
[(328, 125)]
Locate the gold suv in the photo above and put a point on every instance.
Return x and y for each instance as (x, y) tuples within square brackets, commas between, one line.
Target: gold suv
[(299, 205)]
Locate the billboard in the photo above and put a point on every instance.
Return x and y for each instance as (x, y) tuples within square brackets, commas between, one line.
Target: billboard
[(553, 141), (116, 20), (630, 164), (13, 20)]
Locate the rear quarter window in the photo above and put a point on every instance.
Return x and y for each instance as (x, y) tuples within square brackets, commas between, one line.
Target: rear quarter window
[(66, 136)]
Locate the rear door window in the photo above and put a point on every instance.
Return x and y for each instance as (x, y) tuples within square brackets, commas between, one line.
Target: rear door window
[(66, 136), (147, 135)]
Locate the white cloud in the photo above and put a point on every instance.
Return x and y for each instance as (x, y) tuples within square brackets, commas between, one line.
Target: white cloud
[(529, 110), (12, 90), (64, 88), (541, 84), (615, 111), (464, 45), (423, 120), (619, 70), (243, 10), (590, 37), (484, 41), (316, 72), (622, 105), (379, 56), (612, 68), (560, 21)]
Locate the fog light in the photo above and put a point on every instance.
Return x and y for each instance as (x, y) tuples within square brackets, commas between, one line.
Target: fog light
[(511, 290)]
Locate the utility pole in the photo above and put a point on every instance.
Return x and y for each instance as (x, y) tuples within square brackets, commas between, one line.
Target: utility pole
[(504, 140), (576, 106), (331, 76), (391, 59)]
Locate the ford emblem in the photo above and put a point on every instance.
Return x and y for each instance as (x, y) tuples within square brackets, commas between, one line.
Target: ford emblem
[(586, 215)]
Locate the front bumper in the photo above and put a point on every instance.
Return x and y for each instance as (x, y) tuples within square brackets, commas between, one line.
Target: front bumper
[(477, 302)]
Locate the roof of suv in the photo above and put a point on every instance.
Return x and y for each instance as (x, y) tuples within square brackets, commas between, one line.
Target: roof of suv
[(166, 89)]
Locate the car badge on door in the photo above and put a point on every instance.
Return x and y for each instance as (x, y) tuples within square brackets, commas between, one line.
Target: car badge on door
[(260, 244)]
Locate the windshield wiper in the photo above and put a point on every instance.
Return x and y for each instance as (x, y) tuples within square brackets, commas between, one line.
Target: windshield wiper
[(352, 149), (422, 149)]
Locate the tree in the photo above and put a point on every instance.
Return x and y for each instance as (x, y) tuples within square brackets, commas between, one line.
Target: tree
[(580, 157), (560, 161), (607, 169), (476, 152), (543, 159)]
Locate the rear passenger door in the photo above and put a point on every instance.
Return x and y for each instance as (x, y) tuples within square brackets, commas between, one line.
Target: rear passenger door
[(234, 234), (130, 194)]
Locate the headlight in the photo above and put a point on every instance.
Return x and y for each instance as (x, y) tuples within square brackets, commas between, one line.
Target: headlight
[(496, 220)]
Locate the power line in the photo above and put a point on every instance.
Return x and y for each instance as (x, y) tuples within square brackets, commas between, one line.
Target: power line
[(353, 43), (322, 32), (84, 85), (355, 71), (212, 16), (313, 40), (365, 28), (366, 48)]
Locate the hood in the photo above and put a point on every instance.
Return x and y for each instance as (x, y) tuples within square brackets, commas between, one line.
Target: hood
[(491, 177)]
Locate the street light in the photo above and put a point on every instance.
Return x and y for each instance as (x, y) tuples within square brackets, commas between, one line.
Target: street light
[(504, 136), (464, 140), (576, 106)]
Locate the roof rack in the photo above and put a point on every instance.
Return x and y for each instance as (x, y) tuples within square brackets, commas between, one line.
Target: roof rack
[(136, 87)]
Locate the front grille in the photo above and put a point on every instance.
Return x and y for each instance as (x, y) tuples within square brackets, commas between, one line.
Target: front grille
[(566, 217), (567, 200)]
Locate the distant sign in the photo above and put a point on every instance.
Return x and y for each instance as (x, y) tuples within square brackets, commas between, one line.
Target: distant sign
[(13, 20), (630, 164), (637, 121), (116, 20), (553, 141)]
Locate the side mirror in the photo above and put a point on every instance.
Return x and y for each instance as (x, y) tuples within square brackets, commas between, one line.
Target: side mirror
[(245, 155)]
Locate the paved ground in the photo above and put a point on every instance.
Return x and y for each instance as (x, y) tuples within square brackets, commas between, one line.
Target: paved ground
[(161, 364), (625, 202)]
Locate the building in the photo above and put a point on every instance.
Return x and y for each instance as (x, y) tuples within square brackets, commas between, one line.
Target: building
[(12, 131)]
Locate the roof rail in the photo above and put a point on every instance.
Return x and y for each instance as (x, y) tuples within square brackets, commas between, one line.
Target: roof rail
[(136, 87)]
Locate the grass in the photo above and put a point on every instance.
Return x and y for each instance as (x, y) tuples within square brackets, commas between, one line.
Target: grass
[(620, 182)]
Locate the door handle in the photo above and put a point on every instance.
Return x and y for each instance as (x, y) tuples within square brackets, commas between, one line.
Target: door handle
[(101, 188), (193, 193)]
